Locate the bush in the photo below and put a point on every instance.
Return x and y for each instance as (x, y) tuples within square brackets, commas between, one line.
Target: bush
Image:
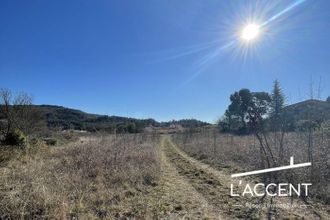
[(326, 125), (15, 138), (50, 141), (306, 125)]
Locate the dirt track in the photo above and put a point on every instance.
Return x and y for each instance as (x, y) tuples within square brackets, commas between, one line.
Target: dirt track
[(211, 188)]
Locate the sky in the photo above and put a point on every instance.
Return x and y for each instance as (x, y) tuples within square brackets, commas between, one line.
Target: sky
[(162, 59)]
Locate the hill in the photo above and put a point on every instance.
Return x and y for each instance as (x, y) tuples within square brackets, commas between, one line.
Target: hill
[(315, 110), (67, 118)]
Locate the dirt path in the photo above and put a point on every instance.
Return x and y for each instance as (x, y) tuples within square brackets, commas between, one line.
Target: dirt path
[(210, 183), (214, 186), (175, 198)]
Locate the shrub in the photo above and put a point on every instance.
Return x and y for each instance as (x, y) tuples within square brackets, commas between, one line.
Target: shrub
[(16, 138), (36, 147), (50, 141), (306, 125), (326, 125)]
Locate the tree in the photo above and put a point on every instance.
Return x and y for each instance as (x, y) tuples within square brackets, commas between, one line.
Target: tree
[(277, 103), (278, 122), (6, 113), (18, 113), (237, 110), (257, 112), (252, 109), (131, 127)]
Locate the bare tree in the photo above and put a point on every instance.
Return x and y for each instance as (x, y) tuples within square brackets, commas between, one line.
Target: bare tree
[(5, 101), (17, 112)]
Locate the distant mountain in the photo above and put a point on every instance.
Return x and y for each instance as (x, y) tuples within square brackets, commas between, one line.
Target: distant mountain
[(315, 110), (67, 118)]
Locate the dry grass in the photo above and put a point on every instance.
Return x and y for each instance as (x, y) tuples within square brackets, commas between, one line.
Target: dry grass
[(131, 176), (241, 153), (93, 179), (213, 185)]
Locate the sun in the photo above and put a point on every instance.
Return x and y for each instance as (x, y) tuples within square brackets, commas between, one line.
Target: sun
[(250, 32)]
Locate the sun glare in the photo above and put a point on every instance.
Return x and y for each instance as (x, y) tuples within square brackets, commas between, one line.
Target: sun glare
[(250, 32)]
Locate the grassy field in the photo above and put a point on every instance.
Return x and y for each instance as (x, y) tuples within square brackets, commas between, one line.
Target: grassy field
[(93, 178), (242, 153), (135, 176)]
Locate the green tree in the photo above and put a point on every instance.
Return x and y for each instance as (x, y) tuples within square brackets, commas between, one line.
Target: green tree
[(276, 105), (252, 109), (279, 120), (257, 110), (237, 110), (131, 127)]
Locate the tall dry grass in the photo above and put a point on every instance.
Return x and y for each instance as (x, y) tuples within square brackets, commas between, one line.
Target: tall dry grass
[(93, 179), (241, 153)]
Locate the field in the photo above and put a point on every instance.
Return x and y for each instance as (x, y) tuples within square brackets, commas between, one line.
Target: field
[(148, 176), (93, 178), (241, 154)]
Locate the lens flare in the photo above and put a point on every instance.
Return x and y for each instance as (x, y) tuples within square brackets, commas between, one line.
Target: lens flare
[(241, 42), (250, 32)]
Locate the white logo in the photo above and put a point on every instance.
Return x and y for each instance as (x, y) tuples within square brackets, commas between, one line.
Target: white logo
[(282, 189), (291, 166)]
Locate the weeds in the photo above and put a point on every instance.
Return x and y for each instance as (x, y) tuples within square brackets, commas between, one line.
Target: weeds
[(87, 180), (241, 153)]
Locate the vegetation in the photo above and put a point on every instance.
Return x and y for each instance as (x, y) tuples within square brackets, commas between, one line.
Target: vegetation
[(276, 131), (58, 117), (276, 107), (65, 118), (236, 116), (241, 154), (17, 115), (246, 111), (49, 170), (95, 179), (314, 110), (15, 137), (185, 123)]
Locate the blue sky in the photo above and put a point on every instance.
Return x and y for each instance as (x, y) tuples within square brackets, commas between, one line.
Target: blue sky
[(161, 59)]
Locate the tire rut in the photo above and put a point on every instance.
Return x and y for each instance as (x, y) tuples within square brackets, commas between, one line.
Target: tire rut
[(214, 185), (175, 198)]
